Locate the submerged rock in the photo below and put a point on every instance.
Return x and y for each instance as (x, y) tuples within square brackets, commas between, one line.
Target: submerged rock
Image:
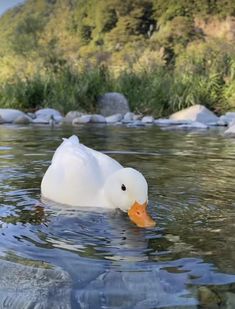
[(133, 289), (9, 115), (208, 298), (113, 103), (198, 113), (30, 287)]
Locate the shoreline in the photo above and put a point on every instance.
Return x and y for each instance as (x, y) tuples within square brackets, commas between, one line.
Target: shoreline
[(196, 117)]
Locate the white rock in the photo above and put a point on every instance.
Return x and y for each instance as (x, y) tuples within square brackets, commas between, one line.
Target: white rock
[(9, 114), (82, 119), (147, 119), (128, 117), (98, 119), (227, 119), (40, 120), (114, 118), (230, 115), (230, 131), (198, 113), (222, 121), (170, 122), (70, 116), (113, 103), (23, 119), (232, 123), (48, 114)]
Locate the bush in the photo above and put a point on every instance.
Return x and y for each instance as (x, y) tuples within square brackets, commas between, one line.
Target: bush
[(158, 89), (65, 90)]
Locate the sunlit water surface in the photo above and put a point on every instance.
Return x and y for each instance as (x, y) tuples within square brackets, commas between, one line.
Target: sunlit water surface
[(111, 262)]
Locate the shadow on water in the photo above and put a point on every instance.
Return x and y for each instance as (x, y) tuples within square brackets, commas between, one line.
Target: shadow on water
[(188, 260)]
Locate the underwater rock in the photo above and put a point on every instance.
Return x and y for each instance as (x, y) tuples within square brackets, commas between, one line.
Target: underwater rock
[(30, 287), (208, 298), (132, 289)]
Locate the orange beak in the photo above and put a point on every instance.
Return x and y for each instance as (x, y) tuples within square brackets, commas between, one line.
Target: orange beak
[(138, 214)]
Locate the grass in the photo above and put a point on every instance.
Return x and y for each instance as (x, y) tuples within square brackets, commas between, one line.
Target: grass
[(158, 91)]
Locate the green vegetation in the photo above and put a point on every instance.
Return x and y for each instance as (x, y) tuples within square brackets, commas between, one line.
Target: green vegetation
[(163, 55)]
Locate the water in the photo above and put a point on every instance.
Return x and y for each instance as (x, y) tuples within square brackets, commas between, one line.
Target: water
[(188, 260)]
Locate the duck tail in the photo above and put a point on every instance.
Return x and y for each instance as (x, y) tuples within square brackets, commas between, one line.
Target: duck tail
[(74, 140)]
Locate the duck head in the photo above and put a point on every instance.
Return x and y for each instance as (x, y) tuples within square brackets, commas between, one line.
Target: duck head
[(127, 189)]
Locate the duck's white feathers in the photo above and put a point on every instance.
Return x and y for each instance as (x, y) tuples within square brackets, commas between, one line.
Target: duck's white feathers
[(79, 172)]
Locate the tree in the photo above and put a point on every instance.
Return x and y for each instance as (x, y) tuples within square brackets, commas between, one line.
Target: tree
[(26, 35)]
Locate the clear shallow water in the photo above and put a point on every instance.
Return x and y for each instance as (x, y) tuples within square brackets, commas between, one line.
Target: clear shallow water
[(112, 263)]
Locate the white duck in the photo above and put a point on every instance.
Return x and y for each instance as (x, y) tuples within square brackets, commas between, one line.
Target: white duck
[(81, 176)]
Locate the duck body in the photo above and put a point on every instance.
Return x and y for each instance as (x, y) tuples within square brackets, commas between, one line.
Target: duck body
[(81, 176), (77, 175)]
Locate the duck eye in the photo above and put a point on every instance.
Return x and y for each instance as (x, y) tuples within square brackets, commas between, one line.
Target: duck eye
[(123, 188)]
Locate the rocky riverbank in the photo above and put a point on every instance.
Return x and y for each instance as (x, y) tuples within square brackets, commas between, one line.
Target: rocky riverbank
[(114, 110)]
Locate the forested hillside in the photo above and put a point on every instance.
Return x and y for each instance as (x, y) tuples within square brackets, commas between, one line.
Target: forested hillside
[(162, 54)]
